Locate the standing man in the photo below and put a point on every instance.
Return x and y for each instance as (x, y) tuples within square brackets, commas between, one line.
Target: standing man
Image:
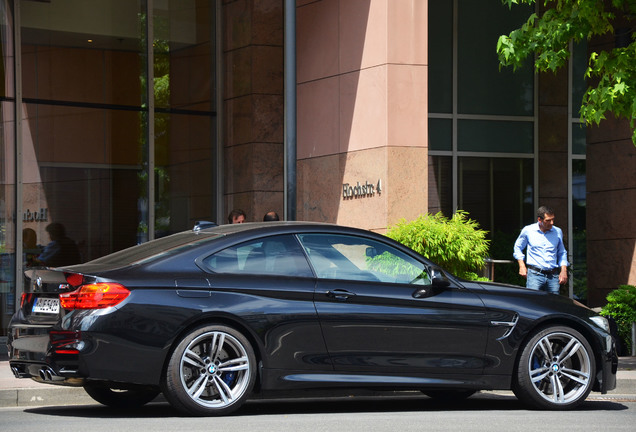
[(546, 266)]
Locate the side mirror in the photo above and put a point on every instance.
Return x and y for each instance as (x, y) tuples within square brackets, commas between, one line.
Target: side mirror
[(438, 282), (438, 278)]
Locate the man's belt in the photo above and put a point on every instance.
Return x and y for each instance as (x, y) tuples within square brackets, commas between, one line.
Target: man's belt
[(545, 272)]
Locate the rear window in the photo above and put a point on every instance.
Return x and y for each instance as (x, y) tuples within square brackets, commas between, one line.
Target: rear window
[(155, 249)]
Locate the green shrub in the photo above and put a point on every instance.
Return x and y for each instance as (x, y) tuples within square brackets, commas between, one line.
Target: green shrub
[(621, 305), (457, 244)]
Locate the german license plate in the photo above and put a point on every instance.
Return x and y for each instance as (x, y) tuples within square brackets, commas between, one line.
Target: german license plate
[(47, 305)]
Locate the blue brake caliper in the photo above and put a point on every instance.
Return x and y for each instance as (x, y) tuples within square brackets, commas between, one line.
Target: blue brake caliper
[(228, 377)]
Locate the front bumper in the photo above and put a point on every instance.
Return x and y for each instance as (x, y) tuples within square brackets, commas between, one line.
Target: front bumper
[(608, 367)]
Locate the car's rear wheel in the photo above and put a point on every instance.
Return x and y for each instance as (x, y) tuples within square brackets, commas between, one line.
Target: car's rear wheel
[(556, 369), (211, 371), (129, 398)]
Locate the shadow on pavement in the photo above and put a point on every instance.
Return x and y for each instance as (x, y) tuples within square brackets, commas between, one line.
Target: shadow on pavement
[(480, 402)]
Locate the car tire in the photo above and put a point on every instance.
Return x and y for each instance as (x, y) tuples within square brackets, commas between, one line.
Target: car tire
[(558, 358), (211, 371), (120, 398)]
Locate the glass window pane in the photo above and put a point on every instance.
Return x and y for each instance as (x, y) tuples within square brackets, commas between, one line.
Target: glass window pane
[(185, 117), (495, 136), (440, 55), (274, 256), (579, 83), (184, 57), (360, 259), (482, 87), (440, 134), (497, 192), (7, 217), (579, 244), (440, 185), (7, 83), (185, 171), (8, 234), (82, 54), (82, 171), (579, 138), (84, 136)]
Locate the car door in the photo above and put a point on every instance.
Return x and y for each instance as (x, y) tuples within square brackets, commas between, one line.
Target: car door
[(274, 286), (380, 312)]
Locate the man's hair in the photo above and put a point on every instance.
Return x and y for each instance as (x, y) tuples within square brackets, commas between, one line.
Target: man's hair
[(270, 217), (544, 210), (56, 230), (234, 214)]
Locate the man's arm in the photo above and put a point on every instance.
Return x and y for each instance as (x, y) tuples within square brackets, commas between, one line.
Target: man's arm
[(562, 256), (520, 245)]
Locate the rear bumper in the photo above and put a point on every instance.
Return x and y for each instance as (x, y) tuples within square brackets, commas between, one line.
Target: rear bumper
[(31, 356), (43, 373)]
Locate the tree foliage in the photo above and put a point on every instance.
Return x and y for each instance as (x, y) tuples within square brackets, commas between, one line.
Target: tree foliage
[(548, 36), (457, 244)]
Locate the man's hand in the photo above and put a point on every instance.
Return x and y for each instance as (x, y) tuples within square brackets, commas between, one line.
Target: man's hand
[(523, 271), (563, 276)]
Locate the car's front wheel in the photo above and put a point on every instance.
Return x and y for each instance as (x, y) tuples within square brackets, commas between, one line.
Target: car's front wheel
[(556, 369), (211, 371)]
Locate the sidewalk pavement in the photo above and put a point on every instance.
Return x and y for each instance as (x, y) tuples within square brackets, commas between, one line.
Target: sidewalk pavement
[(25, 392)]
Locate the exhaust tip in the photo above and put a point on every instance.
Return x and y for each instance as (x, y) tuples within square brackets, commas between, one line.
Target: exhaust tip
[(47, 374)]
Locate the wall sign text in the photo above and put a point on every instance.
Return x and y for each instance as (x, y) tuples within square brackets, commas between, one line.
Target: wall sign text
[(36, 216), (364, 190)]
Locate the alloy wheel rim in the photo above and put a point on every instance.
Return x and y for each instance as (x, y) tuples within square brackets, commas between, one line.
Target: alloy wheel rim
[(560, 368), (215, 370)]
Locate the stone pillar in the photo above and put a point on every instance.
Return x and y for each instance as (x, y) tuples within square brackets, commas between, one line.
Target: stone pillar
[(362, 111), (253, 106), (611, 205), (611, 198)]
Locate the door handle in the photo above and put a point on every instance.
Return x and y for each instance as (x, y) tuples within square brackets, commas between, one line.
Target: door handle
[(340, 294)]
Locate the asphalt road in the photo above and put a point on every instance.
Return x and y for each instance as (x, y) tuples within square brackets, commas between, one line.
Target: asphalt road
[(482, 412)]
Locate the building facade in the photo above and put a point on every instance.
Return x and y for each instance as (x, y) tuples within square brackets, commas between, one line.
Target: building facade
[(126, 120)]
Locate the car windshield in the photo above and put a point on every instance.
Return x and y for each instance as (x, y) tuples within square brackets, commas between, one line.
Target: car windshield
[(156, 248)]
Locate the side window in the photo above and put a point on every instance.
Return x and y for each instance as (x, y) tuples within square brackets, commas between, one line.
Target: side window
[(276, 256), (361, 259)]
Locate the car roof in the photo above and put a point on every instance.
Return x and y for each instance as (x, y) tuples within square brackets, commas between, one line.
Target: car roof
[(257, 229)]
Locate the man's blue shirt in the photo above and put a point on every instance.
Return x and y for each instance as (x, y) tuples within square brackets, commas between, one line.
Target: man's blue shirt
[(545, 250)]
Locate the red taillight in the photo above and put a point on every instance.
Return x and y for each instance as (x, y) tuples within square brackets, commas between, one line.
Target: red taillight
[(94, 296), (25, 299)]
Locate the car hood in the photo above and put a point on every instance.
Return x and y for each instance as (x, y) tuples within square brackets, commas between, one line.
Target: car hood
[(499, 295)]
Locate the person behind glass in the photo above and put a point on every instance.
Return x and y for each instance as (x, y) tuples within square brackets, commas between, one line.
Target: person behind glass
[(546, 266), (30, 248), (271, 217), (61, 251), (236, 216)]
